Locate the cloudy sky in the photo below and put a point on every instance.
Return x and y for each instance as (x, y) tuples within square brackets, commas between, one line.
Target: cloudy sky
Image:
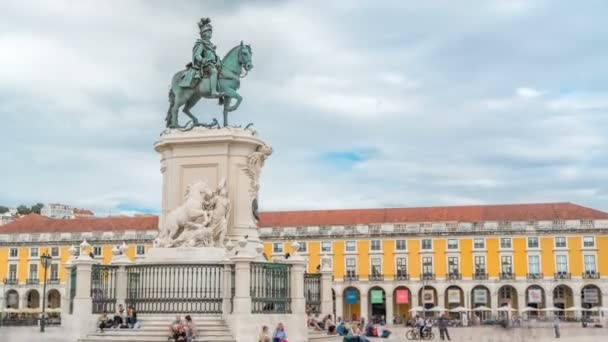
[(366, 103)]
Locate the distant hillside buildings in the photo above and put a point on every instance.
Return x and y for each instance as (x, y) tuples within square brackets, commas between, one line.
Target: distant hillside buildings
[(62, 211)]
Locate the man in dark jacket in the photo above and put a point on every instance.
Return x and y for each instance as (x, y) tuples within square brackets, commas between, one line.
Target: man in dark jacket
[(442, 324)]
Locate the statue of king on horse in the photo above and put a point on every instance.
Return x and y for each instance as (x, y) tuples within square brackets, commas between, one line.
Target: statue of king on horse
[(210, 77)]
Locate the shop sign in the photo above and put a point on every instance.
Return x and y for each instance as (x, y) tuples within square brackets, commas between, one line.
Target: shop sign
[(402, 296), (377, 296)]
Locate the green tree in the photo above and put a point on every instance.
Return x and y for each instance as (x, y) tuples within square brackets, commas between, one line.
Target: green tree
[(36, 208), (3, 209), (23, 210)]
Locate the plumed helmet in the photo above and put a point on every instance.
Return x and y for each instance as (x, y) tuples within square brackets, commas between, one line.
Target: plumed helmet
[(205, 25)]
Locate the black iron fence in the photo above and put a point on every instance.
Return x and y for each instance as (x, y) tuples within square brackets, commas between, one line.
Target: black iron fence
[(103, 288), (312, 290), (270, 288), (175, 288)]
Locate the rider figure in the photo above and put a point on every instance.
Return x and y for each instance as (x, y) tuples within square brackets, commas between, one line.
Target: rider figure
[(205, 62)]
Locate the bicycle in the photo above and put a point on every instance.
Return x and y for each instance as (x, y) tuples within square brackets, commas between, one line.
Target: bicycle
[(414, 334)]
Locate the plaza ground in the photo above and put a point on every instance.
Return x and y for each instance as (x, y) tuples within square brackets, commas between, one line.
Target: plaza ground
[(540, 332)]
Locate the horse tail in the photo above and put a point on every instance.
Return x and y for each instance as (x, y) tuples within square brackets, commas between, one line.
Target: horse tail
[(220, 101), (171, 104)]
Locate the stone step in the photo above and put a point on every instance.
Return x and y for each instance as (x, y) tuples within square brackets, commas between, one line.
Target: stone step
[(152, 339), (322, 336), (165, 327), (153, 333)]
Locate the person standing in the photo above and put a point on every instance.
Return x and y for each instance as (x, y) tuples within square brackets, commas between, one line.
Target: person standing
[(556, 326), (442, 324)]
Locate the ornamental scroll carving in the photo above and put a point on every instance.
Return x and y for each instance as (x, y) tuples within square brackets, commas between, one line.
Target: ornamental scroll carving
[(255, 163)]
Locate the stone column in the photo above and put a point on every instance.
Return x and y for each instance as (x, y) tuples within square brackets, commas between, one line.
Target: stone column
[(326, 297), (339, 306), (389, 308), (298, 301), (364, 306), (227, 289), (83, 320), (120, 259)]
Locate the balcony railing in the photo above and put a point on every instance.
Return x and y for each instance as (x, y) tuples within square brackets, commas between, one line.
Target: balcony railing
[(351, 277), (506, 276), (480, 276), (428, 276), (562, 275), (53, 281), (11, 281), (402, 276), (591, 275), (32, 281), (534, 276), (376, 277), (453, 276)]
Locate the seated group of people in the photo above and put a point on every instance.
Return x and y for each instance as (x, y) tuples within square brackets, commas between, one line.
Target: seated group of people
[(354, 332), (321, 324), (279, 334), (124, 319), (182, 330)]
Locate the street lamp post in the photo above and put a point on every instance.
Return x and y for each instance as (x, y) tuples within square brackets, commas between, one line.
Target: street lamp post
[(45, 260)]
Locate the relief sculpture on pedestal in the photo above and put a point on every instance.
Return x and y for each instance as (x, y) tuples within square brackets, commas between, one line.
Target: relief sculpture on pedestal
[(201, 221)]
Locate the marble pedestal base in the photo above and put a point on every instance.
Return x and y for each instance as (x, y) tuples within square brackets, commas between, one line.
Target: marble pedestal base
[(184, 255)]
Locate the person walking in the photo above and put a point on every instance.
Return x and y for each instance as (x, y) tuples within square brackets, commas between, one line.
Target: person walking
[(442, 324), (556, 326)]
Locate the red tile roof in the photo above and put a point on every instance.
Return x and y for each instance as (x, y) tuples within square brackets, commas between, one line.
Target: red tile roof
[(472, 213), (35, 223)]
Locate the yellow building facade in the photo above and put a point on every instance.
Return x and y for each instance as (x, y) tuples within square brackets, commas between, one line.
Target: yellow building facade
[(384, 262)]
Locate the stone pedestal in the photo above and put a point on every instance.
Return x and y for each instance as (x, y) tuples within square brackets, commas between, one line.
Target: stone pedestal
[(211, 155)]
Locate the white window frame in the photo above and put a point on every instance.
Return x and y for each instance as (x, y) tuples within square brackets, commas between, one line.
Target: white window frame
[(537, 242), (567, 263), (346, 267), (137, 249), (58, 251), (51, 271), (32, 249), (274, 250), (447, 263), (354, 242), (11, 249), (95, 249), (510, 243), (331, 247), (8, 271), (422, 245), (422, 265), (560, 247), (479, 248), (594, 262), (397, 257), (540, 271), (512, 263), (371, 243), (371, 265), (448, 244), (305, 245), (29, 271), (485, 264), (404, 245), (592, 240)]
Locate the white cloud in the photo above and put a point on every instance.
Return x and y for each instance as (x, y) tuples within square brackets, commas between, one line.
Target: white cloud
[(528, 92), (457, 104)]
